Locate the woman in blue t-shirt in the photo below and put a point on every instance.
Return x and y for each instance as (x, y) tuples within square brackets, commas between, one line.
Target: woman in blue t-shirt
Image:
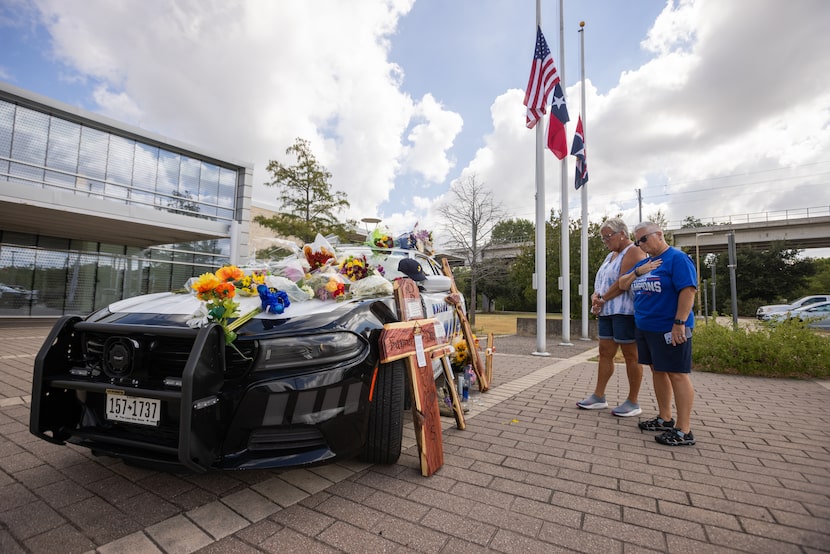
[(664, 287)]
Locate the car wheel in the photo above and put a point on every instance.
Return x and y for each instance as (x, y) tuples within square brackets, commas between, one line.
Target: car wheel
[(385, 433)]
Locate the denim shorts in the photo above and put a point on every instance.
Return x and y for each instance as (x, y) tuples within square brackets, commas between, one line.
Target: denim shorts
[(653, 350), (617, 327)]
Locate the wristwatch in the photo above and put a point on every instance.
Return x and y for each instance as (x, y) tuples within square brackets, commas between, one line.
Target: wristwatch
[(679, 322)]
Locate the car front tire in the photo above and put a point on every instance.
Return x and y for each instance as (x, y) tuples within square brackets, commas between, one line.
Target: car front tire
[(385, 432)]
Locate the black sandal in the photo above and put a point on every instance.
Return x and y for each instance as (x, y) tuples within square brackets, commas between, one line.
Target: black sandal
[(657, 424), (676, 437)]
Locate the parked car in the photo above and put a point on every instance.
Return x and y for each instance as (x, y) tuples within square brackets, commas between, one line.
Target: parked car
[(763, 312), (294, 389), (15, 296), (816, 316)]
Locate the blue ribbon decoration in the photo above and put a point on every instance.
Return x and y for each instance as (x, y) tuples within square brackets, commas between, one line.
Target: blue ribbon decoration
[(274, 301)]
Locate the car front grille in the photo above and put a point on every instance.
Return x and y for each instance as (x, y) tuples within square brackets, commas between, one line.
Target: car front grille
[(156, 357)]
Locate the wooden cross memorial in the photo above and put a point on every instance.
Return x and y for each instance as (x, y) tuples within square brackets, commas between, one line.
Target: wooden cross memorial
[(419, 340)]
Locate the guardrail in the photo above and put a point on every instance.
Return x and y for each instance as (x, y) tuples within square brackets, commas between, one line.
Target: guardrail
[(759, 217)]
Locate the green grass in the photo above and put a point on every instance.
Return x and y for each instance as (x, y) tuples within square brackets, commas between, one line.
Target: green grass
[(502, 323)]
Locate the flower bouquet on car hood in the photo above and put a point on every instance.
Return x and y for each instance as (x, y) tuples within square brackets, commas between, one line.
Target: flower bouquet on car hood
[(217, 292)]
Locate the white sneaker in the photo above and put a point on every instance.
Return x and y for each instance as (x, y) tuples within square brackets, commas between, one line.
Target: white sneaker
[(627, 409), (593, 402)]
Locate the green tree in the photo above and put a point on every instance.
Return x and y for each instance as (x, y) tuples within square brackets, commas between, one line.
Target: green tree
[(496, 283), (524, 266), (820, 281), (596, 254), (308, 204), (523, 296), (690, 223), (770, 276), (513, 230)]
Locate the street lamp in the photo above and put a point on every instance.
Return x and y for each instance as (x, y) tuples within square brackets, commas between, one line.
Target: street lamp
[(697, 261), (368, 220)]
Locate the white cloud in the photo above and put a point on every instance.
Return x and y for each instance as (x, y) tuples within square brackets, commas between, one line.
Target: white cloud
[(431, 139), (116, 104)]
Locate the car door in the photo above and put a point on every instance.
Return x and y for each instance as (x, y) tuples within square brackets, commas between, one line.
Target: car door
[(818, 317)]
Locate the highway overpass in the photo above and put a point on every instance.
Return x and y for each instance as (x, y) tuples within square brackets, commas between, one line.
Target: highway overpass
[(799, 233)]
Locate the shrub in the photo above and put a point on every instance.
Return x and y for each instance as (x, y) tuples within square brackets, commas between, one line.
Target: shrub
[(786, 349)]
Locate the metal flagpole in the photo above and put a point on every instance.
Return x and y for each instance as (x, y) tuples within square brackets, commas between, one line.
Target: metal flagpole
[(584, 196), (565, 275), (539, 276)]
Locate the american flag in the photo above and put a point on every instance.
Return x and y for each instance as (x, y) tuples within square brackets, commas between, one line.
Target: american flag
[(578, 150), (543, 77), (557, 141)]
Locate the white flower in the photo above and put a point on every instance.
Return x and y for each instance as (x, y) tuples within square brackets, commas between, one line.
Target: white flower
[(199, 318)]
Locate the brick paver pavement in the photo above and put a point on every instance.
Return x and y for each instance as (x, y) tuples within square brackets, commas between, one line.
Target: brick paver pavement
[(531, 473)]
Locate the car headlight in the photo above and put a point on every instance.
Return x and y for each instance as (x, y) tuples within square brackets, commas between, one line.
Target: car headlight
[(320, 350)]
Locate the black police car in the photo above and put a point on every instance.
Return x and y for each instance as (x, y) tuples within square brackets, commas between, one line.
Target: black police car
[(296, 389)]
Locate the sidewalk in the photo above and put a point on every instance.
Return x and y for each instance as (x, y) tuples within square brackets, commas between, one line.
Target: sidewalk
[(531, 473)]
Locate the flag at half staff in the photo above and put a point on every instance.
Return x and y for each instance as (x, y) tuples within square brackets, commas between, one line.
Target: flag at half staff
[(557, 141), (543, 77), (578, 150)]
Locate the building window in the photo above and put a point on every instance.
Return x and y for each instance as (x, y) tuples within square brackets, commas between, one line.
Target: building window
[(42, 150)]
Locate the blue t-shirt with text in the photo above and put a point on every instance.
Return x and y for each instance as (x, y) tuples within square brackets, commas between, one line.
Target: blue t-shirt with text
[(656, 292)]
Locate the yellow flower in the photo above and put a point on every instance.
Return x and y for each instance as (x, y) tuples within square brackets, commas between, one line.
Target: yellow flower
[(462, 355), (205, 285), (217, 290)]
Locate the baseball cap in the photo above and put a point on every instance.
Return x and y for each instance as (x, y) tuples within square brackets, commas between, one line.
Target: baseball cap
[(412, 269)]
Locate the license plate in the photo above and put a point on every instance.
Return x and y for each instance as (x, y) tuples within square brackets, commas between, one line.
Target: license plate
[(133, 409)]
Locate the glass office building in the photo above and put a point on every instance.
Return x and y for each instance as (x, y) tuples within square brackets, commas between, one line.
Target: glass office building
[(92, 210)]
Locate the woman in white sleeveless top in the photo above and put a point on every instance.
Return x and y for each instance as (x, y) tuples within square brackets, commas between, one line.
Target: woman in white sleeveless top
[(615, 308)]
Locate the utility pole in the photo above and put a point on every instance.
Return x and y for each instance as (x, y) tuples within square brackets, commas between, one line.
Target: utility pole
[(733, 286), (640, 203)]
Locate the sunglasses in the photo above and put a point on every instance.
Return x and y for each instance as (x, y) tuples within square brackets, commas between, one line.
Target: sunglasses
[(644, 238), (606, 238)]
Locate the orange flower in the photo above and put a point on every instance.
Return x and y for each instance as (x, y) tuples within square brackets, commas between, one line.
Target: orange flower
[(230, 273), (225, 290)]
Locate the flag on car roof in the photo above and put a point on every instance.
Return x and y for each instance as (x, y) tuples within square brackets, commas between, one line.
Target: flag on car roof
[(578, 150), (557, 141), (543, 77)]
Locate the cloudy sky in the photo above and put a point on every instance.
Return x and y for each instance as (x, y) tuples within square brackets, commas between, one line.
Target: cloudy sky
[(709, 108)]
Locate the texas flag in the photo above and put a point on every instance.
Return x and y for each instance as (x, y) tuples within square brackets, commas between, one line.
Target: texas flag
[(578, 150), (557, 141)]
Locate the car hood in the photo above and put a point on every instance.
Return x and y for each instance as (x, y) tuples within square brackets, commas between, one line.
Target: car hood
[(774, 308), (167, 303)]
